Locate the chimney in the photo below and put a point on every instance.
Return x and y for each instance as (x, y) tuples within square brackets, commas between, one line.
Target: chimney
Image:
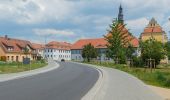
[(6, 36)]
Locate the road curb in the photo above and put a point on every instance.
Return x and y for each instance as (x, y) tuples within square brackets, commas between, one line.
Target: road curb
[(92, 94), (12, 76)]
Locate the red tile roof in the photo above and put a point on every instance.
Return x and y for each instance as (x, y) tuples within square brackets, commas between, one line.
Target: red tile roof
[(135, 42), (16, 44), (153, 29), (58, 45), (38, 46), (97, 43)]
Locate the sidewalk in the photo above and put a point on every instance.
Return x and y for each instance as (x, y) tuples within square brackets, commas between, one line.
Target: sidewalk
[(51, 66), (118, 85)]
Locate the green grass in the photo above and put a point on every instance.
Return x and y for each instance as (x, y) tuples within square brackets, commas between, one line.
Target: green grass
[(158, 77), (19, 67)]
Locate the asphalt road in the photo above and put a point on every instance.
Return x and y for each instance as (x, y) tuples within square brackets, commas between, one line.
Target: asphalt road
[(68, 82)]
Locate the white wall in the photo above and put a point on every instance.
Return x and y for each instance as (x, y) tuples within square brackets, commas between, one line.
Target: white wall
[(55, 54)]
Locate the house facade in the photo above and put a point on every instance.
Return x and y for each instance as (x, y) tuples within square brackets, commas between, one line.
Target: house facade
[(14, 49), (57, 51)]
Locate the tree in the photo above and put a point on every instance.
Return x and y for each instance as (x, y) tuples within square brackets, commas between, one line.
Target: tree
[(167, 48), (26, 51), (89, 52), (129, 51), (152, 49), (117, 41)]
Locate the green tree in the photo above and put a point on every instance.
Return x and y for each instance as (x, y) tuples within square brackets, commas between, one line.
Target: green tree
[(117, 39), (152, 49), (167, 48), (26, 51), (89, 52), (129, 51)]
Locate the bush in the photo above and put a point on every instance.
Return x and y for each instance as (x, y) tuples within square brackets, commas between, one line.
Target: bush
[(167, 82), (42, 61), (160, 78), (138, 62)]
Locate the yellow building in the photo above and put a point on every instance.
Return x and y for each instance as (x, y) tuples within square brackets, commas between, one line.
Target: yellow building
[(14, 49), (154, 30)]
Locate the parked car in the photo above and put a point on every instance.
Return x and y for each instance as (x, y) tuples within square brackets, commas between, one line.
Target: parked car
[(62, 60)]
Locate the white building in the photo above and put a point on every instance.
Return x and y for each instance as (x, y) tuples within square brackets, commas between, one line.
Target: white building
[(57, 51)]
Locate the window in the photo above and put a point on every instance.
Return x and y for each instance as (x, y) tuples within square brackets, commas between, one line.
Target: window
[(12, 58), (8, 58), (51, 50), (48, 50), (10, 48)]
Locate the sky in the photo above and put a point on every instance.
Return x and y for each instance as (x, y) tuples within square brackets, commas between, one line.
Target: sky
[(42, 21)]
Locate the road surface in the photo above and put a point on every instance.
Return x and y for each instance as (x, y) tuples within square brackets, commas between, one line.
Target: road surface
[(68, 82)]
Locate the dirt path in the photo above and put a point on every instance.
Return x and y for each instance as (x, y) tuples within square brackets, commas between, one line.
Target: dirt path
[(165, 93)]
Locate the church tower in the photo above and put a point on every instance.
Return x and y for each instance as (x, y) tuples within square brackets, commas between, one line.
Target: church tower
[(120, 15)]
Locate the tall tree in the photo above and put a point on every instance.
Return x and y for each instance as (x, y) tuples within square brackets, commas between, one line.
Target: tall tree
[(89, 52), (118, 39), (167, 48), (129, 51), (152, 49)]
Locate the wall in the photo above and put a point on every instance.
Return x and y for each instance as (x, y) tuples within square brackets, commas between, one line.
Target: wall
[(55, 54)]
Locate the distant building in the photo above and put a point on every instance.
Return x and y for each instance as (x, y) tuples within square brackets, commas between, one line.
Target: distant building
[(14, 49), (98, 43), (39, 49), (57, 51), (154, 30)]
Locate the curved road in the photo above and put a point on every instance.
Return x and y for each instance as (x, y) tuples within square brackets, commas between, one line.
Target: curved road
[(68, 82)]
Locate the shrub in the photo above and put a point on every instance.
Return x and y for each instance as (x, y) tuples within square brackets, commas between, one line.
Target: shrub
[(138, 62), (160, 77), (42, 61), (167, 82)]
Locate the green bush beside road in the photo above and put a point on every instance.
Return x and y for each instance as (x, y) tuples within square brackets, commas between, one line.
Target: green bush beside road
[(158, 77), (14, 67)]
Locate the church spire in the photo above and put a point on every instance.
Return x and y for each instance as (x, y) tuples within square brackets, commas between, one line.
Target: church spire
[(120, 15)]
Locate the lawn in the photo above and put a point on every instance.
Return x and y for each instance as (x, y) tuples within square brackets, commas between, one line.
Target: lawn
[(158, 77), (19, 67)]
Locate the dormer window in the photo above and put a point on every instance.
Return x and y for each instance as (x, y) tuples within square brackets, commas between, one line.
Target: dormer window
[(10, 48)]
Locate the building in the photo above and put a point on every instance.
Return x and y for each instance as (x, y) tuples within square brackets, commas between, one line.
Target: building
[(98, 43), (154, 30), (39, 49), (15, 49), (57, 51)]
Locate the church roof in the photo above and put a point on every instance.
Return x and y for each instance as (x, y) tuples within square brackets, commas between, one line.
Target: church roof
[(153, 27)]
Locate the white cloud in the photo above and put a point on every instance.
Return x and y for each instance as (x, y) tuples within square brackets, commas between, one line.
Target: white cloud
[(136, 26), (137, 23), (33, 11), (46, 32)]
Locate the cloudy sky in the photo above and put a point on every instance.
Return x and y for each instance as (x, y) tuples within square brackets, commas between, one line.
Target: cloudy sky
[(70, 20)]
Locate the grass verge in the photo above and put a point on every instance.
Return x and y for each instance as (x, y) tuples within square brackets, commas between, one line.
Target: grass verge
[(15, 67), (158, 77)]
